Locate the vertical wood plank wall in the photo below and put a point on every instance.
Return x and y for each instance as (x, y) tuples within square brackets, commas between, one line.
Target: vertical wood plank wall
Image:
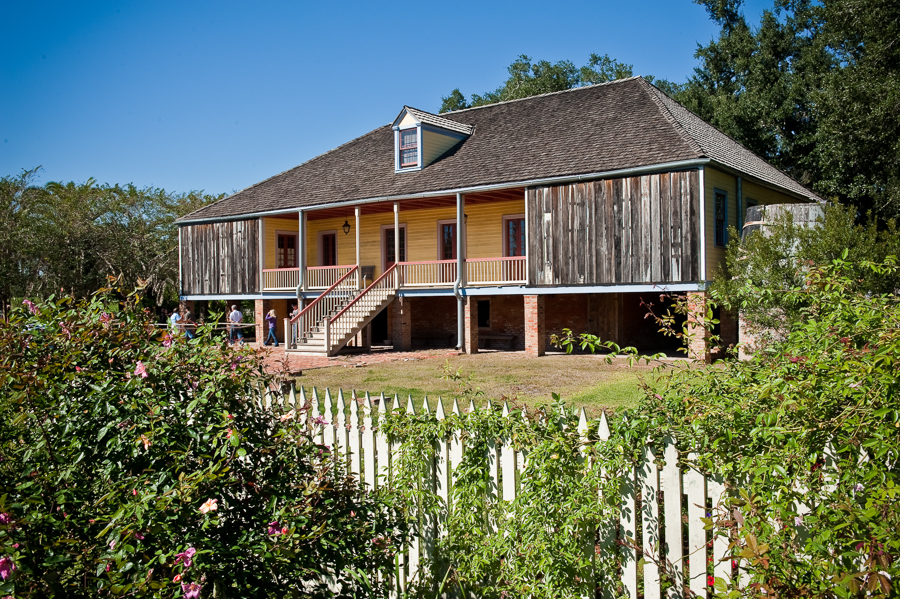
[(627, 230), (220, 258)]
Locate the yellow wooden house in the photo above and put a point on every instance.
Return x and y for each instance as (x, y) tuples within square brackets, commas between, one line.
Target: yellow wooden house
[(494, 226)]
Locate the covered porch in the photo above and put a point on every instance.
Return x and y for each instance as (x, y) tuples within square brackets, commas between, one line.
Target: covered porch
[(308, 252)]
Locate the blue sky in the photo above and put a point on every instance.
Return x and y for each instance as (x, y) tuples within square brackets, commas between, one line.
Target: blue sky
[(220, 95)]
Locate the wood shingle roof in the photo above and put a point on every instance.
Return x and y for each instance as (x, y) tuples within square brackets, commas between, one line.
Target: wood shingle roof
[(596, 129)]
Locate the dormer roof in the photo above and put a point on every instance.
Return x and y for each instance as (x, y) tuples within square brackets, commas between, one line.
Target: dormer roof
[(434, 120)]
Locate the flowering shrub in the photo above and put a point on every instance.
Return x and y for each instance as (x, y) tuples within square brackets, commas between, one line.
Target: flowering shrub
[(135, 463)]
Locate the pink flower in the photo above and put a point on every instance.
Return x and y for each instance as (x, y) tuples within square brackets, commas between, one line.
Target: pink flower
[(177, 578), (287, 416), (138, 536), (112, 544), (229, 433), (209, 506), (274, 529), (77, 369), (191, 591), (185, 557), (4, 518), (31, 307), (105, 317), (139, 370), (167, 340), (6, 567)]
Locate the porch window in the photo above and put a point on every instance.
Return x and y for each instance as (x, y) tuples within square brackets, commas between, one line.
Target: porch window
[(409, 148), (287, 251), (514, 236), (448, 241), (329, 249), (721, 217), (390, 258)]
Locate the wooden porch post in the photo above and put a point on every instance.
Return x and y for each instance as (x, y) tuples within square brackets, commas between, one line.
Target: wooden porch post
[(396, 232), (358, 276), (461, 273), (262, 253), (301, 254)]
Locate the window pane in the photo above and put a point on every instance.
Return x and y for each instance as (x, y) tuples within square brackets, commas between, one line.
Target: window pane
[(448, 241), (408, 138), (515, 237)]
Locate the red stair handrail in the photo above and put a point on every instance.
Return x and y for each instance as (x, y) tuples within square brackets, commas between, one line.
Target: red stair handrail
[(324, 293), (365, 291)]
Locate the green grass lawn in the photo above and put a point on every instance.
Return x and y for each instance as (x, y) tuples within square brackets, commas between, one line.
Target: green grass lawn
[(580, 380)]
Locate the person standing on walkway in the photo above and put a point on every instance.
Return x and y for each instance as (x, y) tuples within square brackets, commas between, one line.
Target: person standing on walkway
[(295, 310), (235, 332), (187, 324), (271, 320), (173, 320)]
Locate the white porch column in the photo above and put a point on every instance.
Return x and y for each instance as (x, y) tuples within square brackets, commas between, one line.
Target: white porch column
[(358, 275), (461, 271), (396, 232), (301, 254)]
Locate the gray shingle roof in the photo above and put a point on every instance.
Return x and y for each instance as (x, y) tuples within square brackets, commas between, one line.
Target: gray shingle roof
[(437, 121), (601, 128), (725, 150)]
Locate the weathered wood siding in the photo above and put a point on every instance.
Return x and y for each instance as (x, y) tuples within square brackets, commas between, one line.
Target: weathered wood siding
[(629, 230), (220, 258)]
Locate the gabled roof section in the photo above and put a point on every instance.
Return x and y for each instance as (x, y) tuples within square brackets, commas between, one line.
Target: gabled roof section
[(603, 128), (721, 148), (435, 120)]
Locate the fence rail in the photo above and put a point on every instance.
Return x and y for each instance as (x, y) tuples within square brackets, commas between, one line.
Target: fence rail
[(650, 522)]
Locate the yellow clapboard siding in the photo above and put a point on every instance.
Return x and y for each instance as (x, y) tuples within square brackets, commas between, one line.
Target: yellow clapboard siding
[(715, 179), (434, 145), (485, 233)]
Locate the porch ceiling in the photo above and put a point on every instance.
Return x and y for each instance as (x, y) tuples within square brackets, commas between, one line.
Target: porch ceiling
[(502, 195)]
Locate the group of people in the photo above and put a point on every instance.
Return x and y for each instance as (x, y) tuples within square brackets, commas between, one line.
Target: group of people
[(181, 321), (271, 321)]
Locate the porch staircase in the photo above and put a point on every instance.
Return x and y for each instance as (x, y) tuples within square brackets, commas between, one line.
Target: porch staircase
[(334, 318)]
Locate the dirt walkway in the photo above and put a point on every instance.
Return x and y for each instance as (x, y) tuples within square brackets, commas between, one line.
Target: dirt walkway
[(277, 360)]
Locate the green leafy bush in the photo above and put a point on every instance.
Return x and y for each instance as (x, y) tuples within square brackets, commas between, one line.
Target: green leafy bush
[(807, 436), (136, 463)]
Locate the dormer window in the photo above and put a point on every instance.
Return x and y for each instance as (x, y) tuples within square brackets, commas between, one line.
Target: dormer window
[(421, 138), (409, 148)]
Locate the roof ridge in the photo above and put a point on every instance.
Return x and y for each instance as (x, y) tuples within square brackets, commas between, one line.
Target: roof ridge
[(667, 114), (316, 157), (562, 91)]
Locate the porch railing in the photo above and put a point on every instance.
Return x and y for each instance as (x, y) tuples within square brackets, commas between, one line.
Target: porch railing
[(495, 271), (434, 273), (317, 277), (427, 274)]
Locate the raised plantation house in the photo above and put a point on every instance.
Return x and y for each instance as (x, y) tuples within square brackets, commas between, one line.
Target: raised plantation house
[(497, 225)]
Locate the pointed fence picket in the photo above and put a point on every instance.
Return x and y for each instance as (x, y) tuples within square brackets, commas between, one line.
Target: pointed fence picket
[(645, 536)]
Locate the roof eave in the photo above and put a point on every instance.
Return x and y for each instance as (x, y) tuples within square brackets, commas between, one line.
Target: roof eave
[(668, 166)]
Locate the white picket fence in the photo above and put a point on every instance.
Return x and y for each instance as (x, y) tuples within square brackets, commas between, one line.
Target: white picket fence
[(367, 454)]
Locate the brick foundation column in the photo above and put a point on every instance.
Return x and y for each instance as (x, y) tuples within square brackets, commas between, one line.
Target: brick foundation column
[(728, 329), (535, 336), (471, 327), (698, 342), (401, 329), (259, 312)]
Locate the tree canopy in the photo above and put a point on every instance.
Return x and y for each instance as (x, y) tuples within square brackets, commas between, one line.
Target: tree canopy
[(71, 236), (528, 78)]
